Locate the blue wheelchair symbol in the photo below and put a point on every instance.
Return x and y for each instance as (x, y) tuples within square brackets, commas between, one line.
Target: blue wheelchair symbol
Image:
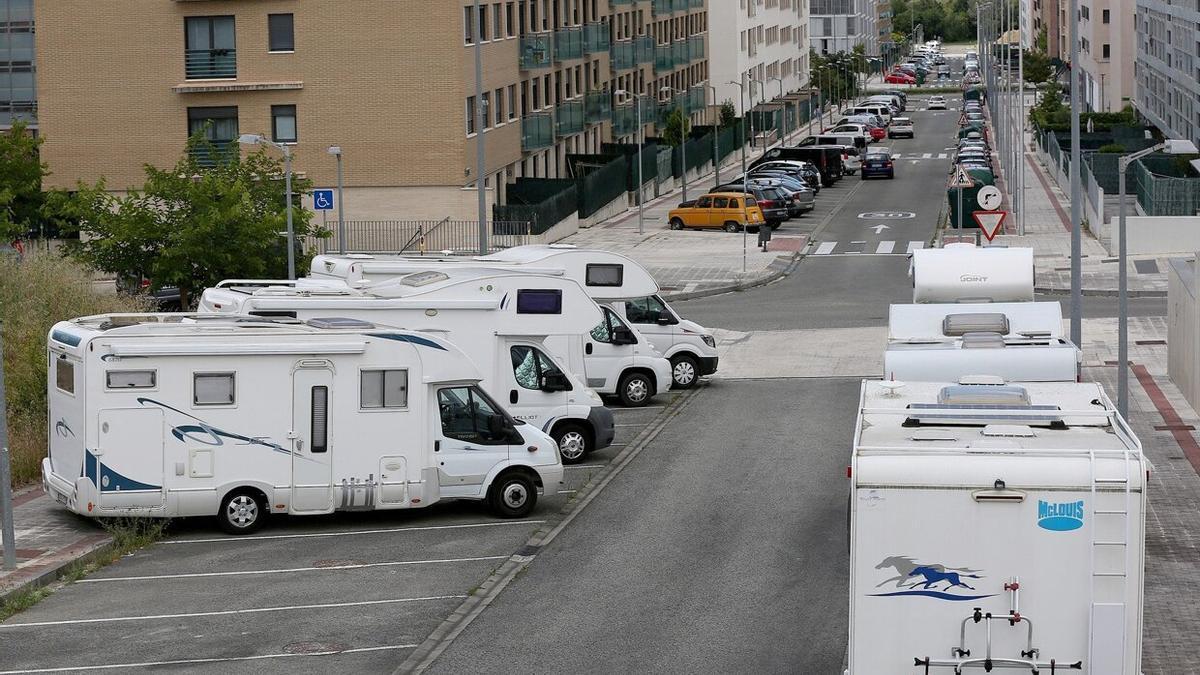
[(323, 200)]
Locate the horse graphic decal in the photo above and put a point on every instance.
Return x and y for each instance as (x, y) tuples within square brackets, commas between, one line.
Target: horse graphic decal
[(931, 580)]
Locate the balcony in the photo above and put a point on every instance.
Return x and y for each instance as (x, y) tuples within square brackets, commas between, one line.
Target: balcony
[(682, 5), (664, 58), (210, 64), (697, 98), (643, 49), (535, 51), (696, 4), (568, 44), (568, 118), (595, 38), (620, 2), (696, 48), (679, 51), (622, 55), (624, 120), (537, 131), (597, 106)]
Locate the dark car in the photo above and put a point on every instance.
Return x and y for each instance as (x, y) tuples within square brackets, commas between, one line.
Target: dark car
[(165, 299), (774, 204), (878, 163), (828, 161)]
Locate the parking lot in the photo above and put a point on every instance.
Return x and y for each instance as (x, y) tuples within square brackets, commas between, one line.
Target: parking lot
[(351, 592)]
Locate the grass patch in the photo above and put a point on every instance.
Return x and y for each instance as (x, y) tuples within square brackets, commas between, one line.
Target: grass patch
[(35, 293), (129, 535)]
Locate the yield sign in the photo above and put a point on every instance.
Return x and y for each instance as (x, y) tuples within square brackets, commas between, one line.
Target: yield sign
[(989, 222)]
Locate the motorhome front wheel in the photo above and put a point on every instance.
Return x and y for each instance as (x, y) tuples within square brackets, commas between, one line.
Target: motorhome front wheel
[(513, 496)]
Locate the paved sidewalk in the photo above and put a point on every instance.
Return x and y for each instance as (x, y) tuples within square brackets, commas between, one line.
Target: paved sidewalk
[(48, 539)]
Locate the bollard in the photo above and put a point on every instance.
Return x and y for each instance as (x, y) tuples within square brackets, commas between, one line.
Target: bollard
[(764, 235), (7, 536)]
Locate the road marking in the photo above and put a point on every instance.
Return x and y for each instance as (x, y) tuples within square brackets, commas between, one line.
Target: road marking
[(826, 247), (585, 466), (619, 411), (290, 570), (942, 155), (229, 612), (885, 247), (561, 492), (314, 535), (224, 659), (690, 287), (879, 228), (898, 155), (927, 155), (914, 245)]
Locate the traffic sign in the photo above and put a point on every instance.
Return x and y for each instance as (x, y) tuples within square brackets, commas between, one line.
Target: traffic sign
[(961, 179), (323, 200), (989, 198), (989, 222)]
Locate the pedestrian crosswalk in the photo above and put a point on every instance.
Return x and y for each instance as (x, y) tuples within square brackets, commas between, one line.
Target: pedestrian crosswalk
[(916, 157), (886, 247)]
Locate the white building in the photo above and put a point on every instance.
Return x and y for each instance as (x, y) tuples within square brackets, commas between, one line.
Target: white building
[(1106, 53), (840, 25), (758, 40), (1168, 66)]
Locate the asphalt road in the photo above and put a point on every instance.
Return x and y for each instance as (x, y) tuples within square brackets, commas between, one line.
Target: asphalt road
[(720, 548)]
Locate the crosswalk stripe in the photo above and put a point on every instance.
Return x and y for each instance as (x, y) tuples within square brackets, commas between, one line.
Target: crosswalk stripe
[(897, 155), (942, 155), (914, 245), (927, 155), (885, 247), (826, 247)]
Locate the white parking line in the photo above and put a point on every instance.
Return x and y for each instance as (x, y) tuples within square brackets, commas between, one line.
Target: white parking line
[(567, 492), (224, 659), (227, 612), (313, 535), (290, 570), (885, 247)]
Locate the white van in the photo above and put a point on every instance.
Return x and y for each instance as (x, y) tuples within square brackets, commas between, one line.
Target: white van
[(611, 279), (967, 273), (995, 527), (501, 320), (882, 110), (170, 415)]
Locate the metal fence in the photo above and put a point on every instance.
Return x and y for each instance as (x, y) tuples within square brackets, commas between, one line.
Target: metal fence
[(541, 203), (1164, 195), (421, 236), (600, 179)]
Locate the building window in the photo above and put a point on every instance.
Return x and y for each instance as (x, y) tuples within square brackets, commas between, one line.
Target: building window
[(281, 32), (1104, 16), (471, 115), (130, 379), (499, 107), (469, 25), (283, 124), (487, 102), (512, 101), (383, 389), (1104, 51), (209, 47), (213, 389), (220, 129)]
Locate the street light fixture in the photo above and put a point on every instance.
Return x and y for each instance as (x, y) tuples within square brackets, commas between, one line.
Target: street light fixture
[(336, 151), (637, 104), (1170, 147), (259, 139), (682, 137)]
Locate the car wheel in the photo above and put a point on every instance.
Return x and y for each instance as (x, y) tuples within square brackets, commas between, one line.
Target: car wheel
[(731, 226), (242, 512), (513, 495), (676, 224), (635, 390), (573, 442), (684, 372)]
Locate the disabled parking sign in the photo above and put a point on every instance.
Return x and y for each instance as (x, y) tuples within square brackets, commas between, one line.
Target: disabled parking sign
[(322, 200)]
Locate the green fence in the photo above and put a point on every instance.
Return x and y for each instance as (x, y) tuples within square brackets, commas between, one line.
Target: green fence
[(542, 203), (600, 179), (629, 152), (1164, 187)]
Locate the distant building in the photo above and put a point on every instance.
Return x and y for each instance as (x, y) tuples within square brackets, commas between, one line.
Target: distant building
[(1106, 53), (18, 80), (1168, 66), (839, 25), (757, 41)]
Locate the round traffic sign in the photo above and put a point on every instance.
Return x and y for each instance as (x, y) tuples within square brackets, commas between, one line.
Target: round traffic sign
[(886, 215), (989, 198)]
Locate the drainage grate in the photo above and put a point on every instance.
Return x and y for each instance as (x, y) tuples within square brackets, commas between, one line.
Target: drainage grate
[(1146, 266), (1149, 342)]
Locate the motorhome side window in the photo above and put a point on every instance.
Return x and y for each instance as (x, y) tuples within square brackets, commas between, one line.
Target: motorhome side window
[(529, 365), (213, 388), (599, 274), (465, 416), (539, 301), (64, 375), (383, 389), (604, 331), (647, 310), (130, 379)]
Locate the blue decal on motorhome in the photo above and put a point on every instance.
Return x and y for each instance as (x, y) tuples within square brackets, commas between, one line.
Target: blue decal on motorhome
[(413, 339), (61, 429), (108, 480), (206, 434), (930, 580), (1060, 516), (65, 338), (90, 470)]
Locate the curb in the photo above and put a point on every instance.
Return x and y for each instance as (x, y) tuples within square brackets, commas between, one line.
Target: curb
[(82, 553), (778, 268), (1100, 292)]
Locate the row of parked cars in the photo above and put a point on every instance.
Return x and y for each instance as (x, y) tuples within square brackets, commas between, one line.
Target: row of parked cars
[(924, 60)]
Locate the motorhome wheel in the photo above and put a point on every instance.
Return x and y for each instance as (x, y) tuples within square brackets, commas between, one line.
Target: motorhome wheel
[(513, 496), (635, 390), (572, 442), (683, 371), (241, 513)]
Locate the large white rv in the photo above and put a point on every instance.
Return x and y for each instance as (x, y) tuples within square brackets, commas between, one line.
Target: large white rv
[(611, 279), (967, 273), (1010, 319), (995, 527), (173, 415), (500, 319)]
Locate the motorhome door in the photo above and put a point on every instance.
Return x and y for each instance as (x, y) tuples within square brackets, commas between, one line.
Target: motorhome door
[(467, 449), (128, 463), (312, 446)]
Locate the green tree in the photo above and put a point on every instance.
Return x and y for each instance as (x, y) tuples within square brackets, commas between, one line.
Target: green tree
[(677, 127), (728, 115), (215, 215), (21, 174), (1037, 66), (1040, 42)]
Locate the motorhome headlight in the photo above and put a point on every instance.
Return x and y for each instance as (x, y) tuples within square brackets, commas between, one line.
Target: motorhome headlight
[(709, 340)]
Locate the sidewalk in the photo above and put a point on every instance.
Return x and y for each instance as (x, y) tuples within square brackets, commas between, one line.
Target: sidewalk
[(49, 538)]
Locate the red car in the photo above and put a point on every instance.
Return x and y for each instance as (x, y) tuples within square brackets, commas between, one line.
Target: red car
[(877, 134), (899, 78)]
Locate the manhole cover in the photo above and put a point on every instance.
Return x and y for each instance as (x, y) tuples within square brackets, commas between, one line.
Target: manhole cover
[(314, 647), (338, 563)]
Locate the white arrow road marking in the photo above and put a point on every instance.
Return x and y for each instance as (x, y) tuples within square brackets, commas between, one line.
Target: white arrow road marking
[(879, 228)]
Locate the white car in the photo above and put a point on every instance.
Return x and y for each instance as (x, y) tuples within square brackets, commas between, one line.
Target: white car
[(901, 126), (937, 103), (852, 128)]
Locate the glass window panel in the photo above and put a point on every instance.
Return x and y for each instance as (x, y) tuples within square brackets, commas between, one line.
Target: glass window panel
[(525, 369), (130, 379), (213, 389), (371, 389), (320, 419), (64, 375), (281, 30), (395, 388)]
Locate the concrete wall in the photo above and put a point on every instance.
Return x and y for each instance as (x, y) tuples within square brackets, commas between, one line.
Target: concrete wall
[(1160, 235), (1183, 329)]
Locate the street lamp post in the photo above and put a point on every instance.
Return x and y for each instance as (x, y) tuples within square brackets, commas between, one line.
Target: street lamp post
[(1171, 147), (481, 124), (336, 151), (259, 139), (1076, 189), (783, 136), (715, 135), (683, 118), (637, 104), (745, 174)]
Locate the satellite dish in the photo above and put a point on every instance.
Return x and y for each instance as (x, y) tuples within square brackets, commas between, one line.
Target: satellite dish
[(892, 386)]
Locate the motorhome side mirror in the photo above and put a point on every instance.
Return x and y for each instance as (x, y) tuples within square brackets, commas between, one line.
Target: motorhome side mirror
[(555, 382), (621, 335)]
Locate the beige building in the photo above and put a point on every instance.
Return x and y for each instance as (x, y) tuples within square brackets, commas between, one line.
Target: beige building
[(1107, 51), (123, 83)]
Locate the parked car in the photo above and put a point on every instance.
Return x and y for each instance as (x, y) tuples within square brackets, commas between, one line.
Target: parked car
[(974, 116), (937, 102), (900, 94), (800, 198), (771, 202), (805, 170), (901, 126), (899, 78), (856, 129), (878, 163), (730, 211), (828, 161)]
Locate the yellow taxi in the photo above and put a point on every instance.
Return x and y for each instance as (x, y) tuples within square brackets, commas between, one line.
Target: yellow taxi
[(719, 209)]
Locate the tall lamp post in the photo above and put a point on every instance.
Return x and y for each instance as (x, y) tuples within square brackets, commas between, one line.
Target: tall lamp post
[(259, 139), (783, 133), (745, 174), (715, 135), (336, 151), (1170, 147), (683, 118), (1076, 188), (637, 104)]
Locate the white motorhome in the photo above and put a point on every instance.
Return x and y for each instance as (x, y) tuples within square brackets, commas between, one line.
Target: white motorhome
[(174, 415), (967, 273), (500, 319), (995, 527), (611, 279), (1010, 319)]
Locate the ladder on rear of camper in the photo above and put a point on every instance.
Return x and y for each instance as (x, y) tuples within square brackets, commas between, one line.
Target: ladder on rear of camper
[(1110, 565)]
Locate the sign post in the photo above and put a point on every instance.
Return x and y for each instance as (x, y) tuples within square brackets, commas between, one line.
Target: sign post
[(989, 222), (7, 534)]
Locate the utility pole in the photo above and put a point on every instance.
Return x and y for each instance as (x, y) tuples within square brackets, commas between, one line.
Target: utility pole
[(1076, 206), (481, 117), (7, 534)]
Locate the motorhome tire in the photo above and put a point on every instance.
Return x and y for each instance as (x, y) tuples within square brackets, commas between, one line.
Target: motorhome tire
[(243, 511), (573, 442), (676, 224), (684, 371), (513, 495), (635, 389), (731, 226)]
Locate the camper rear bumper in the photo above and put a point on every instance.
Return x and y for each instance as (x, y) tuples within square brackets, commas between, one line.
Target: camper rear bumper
[(60, 490)]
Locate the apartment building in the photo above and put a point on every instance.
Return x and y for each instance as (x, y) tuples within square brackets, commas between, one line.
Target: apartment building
[(123, 83), (1106, 53), (883, 26), (765, 41), (1167, 90), (18, 89), (839, 25)]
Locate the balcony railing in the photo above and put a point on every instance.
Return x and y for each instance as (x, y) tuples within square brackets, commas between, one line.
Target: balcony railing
[(595, 38), (697, 98), (681, 5), (535, 51), (212, 152), (664, 58), (623, 55), (696, 4), (537, 131), (624, 120), (679, 52), (662, 6), (696, 48), (568, 118), (597, 105), (620, 2), (206, 64), (568, 44), (643, 49)]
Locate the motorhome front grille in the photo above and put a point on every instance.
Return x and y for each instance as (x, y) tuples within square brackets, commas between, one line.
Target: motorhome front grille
[(983, 322)]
